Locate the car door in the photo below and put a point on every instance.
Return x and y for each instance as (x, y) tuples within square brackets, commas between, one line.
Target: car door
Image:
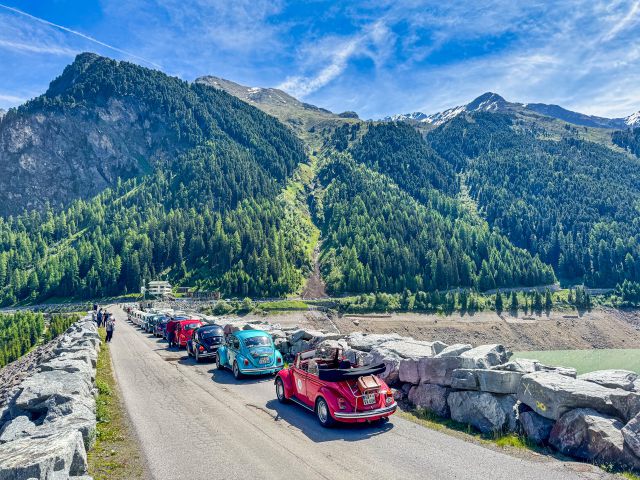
[(232, 351), (300, 381)]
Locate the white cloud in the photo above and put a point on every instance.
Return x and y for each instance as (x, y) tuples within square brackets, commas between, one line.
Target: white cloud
[(37, 48)]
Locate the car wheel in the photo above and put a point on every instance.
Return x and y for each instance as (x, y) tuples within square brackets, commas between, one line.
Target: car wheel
[(188, 351), (219, 366), (323, 413), (236, 371), (282, 398), (197, 355)]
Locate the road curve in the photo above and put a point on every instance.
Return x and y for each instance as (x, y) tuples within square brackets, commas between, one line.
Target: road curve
[(194, 422)]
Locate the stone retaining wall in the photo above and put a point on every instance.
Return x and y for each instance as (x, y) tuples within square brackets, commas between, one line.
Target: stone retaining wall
[(48, 419)]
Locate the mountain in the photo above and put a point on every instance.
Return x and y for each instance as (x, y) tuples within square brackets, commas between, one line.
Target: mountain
[(124, 174), (300, 116), (2, 113), (207, 211), (492, 102)]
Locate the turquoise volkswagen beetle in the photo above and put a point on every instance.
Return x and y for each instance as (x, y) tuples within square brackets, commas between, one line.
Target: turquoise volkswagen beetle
[(249, 352)]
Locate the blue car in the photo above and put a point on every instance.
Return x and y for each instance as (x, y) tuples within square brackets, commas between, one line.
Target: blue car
[(249, 352)]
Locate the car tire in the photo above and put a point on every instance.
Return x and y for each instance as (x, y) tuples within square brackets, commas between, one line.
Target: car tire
[(323, 413), (280, 392), (219, 366), (237, 374), (188, 351), (196, 355)]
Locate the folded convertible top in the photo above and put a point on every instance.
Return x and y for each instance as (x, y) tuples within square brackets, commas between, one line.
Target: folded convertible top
[(342, 374)]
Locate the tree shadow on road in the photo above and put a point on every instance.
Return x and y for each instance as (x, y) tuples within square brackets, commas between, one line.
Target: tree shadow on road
[(307, 422)]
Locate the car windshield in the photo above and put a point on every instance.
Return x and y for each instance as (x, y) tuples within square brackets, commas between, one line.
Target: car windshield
[(212, 332), (258, 341), (192, 326)]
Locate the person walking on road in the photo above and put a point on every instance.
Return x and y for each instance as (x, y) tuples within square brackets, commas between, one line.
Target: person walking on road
[(100, 316), (110, 325)]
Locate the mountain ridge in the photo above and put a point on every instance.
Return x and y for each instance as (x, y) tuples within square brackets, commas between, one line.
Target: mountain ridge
[(492, 102)]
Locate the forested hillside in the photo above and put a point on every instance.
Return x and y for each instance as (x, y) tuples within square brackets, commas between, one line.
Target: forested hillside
[(210, 215), (378, 238), (573, 202), (628, 139)]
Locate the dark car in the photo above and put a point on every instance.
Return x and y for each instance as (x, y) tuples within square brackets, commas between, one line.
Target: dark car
[(205, 342), (161, 327), (151, 322)]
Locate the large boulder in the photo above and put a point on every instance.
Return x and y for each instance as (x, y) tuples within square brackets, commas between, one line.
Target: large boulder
[(454, 350), (486, 356), (431, 397), (536, 427), (525, 365), (57, 386), (19, 427), (366, 342), (589, 435), (631, 435), (412, 348), (487, 412), (623, 379), (69, 365), (391, 361), (57, 456), (492, 381), (439, 370), (552, 395)]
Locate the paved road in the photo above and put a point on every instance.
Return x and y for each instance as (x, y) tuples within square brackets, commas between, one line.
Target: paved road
[(196, 422)]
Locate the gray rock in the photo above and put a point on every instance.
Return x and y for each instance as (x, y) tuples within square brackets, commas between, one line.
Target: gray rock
[(552, 395), (411, 348), (366, 342), (589, 435), (391, 361), (439, 370), (486, 356), (454, 350), (536, 427), (431, 397), (439, 347), (70, 366), (623, 379), (631, 435), (492, 381), (524, 365), (19, 427), (487, 412), (58, 456), (408, 371), (464, 379), (356, 357), (497, 381), (56, 385)]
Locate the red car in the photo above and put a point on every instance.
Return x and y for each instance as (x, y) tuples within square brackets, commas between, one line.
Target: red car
[(337, 391), (183, 331)]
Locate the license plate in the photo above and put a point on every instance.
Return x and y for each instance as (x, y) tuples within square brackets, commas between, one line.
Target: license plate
[(264, 360), (369, 399)]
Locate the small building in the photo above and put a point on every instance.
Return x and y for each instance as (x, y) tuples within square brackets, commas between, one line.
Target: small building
[(159, 288)]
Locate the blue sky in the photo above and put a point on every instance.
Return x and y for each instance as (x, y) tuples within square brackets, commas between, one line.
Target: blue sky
[(374, 57)]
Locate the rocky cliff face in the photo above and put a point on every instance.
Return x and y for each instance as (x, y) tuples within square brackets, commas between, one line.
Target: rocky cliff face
[(55, 157)]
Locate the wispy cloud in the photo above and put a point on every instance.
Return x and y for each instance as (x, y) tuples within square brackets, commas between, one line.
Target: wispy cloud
[(79, 34), (37, 48)]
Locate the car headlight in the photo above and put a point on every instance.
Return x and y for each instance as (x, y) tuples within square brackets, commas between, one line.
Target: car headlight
[(389, 400)]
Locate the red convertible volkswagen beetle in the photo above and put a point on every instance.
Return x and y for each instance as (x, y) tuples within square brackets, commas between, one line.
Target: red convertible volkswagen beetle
[(337, 391)]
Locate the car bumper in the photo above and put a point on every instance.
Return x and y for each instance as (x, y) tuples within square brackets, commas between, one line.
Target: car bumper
[(207, 354), (260, 370), (368, 415)]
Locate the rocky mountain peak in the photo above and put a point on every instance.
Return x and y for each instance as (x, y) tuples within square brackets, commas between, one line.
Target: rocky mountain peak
[(488, 102)]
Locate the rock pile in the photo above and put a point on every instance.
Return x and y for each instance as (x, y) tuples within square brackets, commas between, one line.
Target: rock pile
[(48, 420), (594, 417)]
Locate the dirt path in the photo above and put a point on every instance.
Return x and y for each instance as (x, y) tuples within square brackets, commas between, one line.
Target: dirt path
[(315, 287)]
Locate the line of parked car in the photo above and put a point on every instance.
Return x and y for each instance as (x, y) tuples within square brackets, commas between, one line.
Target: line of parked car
[(320, 380)]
